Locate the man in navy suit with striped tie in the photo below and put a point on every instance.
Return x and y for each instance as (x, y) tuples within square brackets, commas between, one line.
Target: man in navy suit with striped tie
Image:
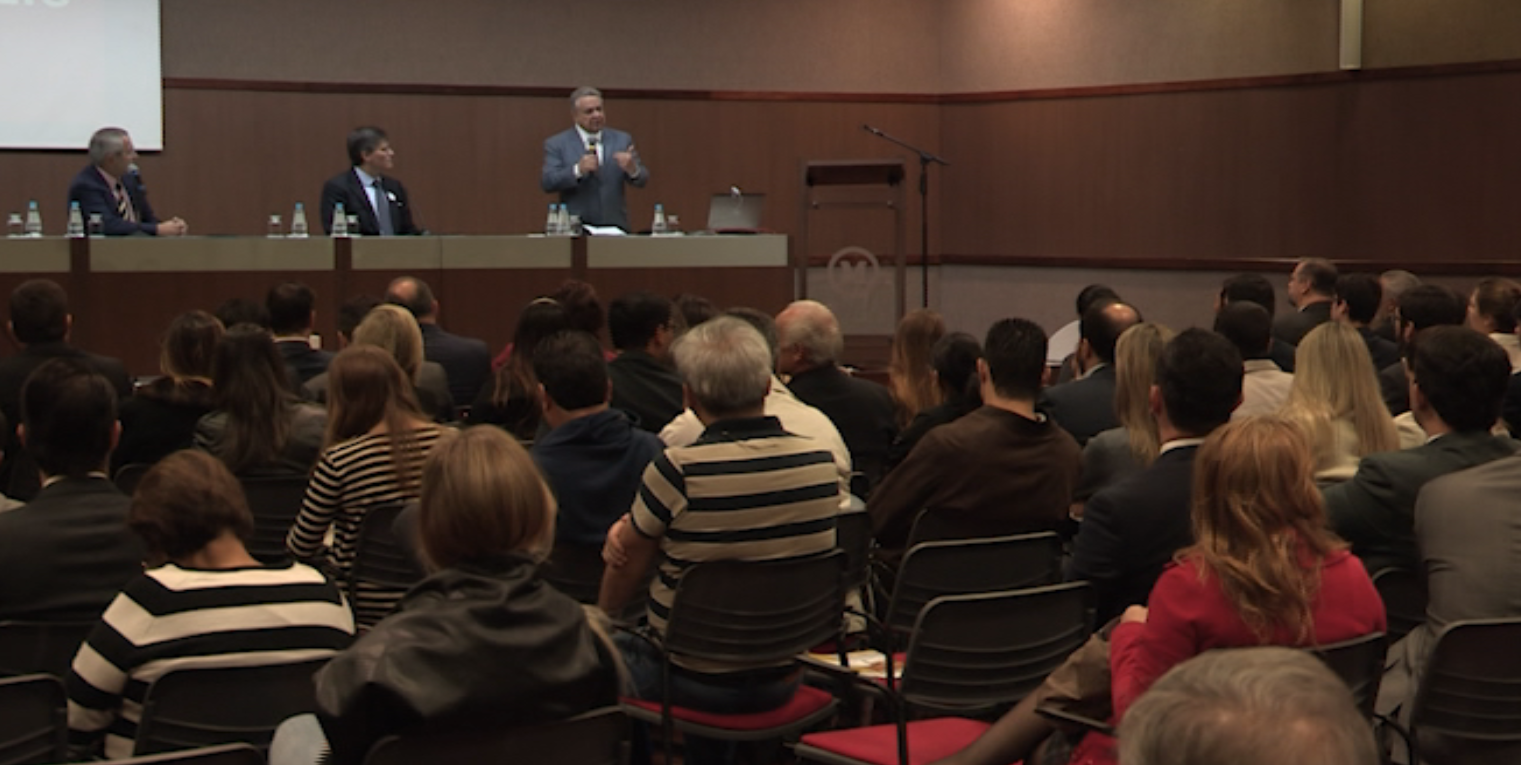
[(110, 187), (590, 163)]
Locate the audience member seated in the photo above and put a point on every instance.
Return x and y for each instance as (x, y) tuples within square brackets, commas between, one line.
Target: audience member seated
[(392, 329), (592, 457), (1061, 356), (1335, 399), (235, 311), (1420, 307), (481, 643), (377, 438), (1492, 308), (205, 602), (796, 417), (1118, 453), (7, 503), (645, 386), (755, 492), (1459, 381), (292, 314), (1131, 529), (953, 369), (39, 325), (350, 314), (1085, 406), (1255, 288), (910, 378), (583, 311), (1312, 286), (1394, 282), (65, 554), (1265, 386), (1248, 706), (511, 400), (1263, 571), (809, 348), (694, 309), (160, 416), (1003, 469), (1358, 297), (259, 427), (466, 361)]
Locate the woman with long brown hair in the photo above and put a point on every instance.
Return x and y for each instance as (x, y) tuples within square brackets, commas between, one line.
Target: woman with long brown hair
[(511, 400), (260, 426), (909, 374), (377, 439)]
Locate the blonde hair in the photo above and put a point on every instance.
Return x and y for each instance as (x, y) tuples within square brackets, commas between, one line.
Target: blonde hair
[(1135, 369), (481, 495), (1334, 379), (393, 329), (1259, 523), (910, 376)]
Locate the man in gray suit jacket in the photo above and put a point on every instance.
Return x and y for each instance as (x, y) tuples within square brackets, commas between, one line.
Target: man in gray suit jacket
[(590, 163), (1458, 381)]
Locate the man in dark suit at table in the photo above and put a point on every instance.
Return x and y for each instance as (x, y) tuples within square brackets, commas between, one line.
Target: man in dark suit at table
[(111, 188), (1312, 286), (466, 360), (590, 163), (379, 201), (292, 314)]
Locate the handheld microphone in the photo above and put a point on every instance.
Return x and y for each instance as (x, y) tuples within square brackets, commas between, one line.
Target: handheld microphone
[(591, 145)]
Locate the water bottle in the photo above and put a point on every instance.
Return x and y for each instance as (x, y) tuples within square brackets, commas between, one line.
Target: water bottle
[(76, 221), (96, 226), (562, 220), (340, 221), (552, 221), (33, 219), (298, 222), (14, 228), (658, 225), (276, 229)]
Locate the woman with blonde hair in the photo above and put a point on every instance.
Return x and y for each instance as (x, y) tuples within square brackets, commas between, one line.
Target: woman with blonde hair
[(377, 439), (483, 639), (1119, 452), (1335, 398), (909, 375), (395, 330)]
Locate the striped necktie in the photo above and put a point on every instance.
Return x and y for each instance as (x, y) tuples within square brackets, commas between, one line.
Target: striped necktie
[(124, 204)]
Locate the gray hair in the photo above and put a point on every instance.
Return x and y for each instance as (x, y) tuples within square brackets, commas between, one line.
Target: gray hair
[(811, 326), (725, 364), (583, 92), (106, 143), (1247, 706), (1396, 281)]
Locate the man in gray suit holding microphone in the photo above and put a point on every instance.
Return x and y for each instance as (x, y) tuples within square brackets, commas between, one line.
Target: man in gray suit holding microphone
[(589, 164)]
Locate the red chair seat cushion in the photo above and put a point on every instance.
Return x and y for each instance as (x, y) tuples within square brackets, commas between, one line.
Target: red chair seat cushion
[(928, 740), (805, 702)]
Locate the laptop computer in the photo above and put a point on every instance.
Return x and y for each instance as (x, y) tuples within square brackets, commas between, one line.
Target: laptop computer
[(735, 213)]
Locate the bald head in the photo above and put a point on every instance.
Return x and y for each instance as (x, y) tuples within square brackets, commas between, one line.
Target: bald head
[(413, 294), (1101, 327), (809, 337)]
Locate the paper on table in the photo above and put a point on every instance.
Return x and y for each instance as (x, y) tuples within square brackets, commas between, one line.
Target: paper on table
[(864, 663), (603, 230)]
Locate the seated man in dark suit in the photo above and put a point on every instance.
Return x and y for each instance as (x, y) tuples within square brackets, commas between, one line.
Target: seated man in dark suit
[(66, 554), (292, 314), (1255, 288), (1003, 469), (466, 360), (111, 188), (809, 348), (379, 201), (1420, 307), (644, 383), (1312, 285), (1131, 529), (40, 324), (1358, 297), (1459, 379), (1085, 406)]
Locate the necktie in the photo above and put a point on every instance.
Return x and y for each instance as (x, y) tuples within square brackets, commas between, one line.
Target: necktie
[(383, 210), (124, 204)]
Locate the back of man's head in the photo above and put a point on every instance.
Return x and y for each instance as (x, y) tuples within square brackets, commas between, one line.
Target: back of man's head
[(1396, 281), (635, 318), (69, 413), (235, 311), (290, 308), (757, 318), (1431, 305), (1247, 706), (811, 326), (1248, 326), (1319, 274), (1463, 374), (411, 293), (1102, 326), (1249, 288), (725, 365), (352, 312), (570, 366), (1199, 376), (1015, 353), (1497, 299), (39, 312), (1361, 293), (1095, 294)]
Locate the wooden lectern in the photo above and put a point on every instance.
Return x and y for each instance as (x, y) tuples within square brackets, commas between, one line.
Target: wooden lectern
[(884, 174)]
